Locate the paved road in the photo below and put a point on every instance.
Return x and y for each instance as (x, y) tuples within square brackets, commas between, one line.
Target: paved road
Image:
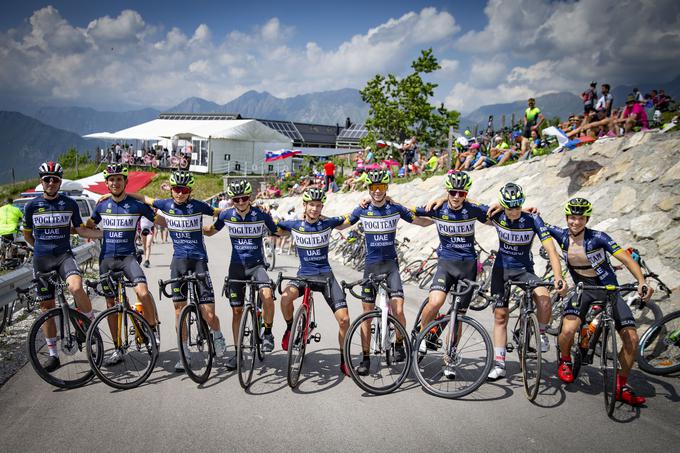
[(327, 412)]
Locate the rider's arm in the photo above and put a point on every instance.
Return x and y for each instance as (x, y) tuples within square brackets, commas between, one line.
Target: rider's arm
[(436, 203), (635, 269), (143, 198), (209, 230), (350, 219), (28, 237), (88, 232), (547, 242)]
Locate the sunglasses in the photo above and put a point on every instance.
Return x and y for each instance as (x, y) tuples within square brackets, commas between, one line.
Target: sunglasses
[(378, 186), (181, 189), (51, 180), (460, 193), (240, 199)]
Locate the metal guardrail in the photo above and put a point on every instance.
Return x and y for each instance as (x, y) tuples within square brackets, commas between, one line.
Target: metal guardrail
[(22, 276)]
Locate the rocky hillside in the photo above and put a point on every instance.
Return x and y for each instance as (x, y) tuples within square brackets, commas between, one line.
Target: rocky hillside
[(634, 184)]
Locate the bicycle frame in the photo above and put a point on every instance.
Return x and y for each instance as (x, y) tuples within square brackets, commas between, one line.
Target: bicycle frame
[(69, 342)]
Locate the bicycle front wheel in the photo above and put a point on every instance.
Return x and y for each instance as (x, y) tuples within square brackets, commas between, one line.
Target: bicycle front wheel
[(73, 369), (247, 345), (385, 374), (411, 271), (448, 368), (609, 365), (297, 346), (659, 351), (194, 343), (129, 348), (530, 356)]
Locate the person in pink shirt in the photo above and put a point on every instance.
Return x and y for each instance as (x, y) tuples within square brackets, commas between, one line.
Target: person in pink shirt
[(633, 115)]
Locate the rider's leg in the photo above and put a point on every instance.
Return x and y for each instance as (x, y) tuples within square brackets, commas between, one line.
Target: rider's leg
[(75, 287), (287, 308), (342, 316), (237, 313), (144, 296), (570, 325), (543, 309), (208, 314), (434, 304)]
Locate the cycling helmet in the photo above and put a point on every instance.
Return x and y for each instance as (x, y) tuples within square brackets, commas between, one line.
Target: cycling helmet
[(314, 194), (458, 181), (462, 141), (474, 146), (515, 135), (50, 169), (115, 169), (511, 195), (379, 177), (182, 178), (578, 206), (239, 188)]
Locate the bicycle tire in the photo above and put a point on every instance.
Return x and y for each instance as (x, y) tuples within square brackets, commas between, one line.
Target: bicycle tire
[(188, 327), (477, 367), (116, 376), (609, 365), (410, 271), (655, 354), (557, 307), (427, 275), (480, 299), (296, 347), (648, 314), (247, 345), (76, 372), (383, 369), (530, 356)]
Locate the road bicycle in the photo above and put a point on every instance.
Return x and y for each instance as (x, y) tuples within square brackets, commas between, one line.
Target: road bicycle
[(377, 333), (70, 333), (14, 254), (304, 324), (128, 341), (453, 354), (269, 252), (659, 347), (25, 297), (414, 270), (251, 329), (195, 343)]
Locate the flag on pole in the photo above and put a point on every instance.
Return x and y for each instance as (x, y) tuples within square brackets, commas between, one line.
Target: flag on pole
[(280, 154)]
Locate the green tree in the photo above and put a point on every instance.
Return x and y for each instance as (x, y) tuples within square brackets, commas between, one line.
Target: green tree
[(400, 108), (68, 159)]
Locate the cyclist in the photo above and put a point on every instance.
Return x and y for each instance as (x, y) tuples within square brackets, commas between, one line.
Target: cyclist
[(311, 236), (379, 220), (457, 258), (585, 252), (516, 231), (47, 228), (246, 226), (10, 219), (184, 217), (146, 233), (118, 216)]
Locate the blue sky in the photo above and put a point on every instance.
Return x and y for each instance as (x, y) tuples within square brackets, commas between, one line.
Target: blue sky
[(127, 54)]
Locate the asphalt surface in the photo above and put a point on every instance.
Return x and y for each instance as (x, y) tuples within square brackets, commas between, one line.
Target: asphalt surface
[(327, 412)]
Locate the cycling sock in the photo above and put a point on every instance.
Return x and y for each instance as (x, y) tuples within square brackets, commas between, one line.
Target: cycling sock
[(89, 314), (342, 358), (289, 325), (216, 333), (399, 343), (52, 347), (366, 356), (542, 327), (566, 357), (621, 380), (500, 356), (267, 328)]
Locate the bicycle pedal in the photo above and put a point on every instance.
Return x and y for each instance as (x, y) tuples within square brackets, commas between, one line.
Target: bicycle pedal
[(510, 347)]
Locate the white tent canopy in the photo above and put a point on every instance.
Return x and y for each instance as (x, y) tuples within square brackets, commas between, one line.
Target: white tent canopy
[(221, 129)]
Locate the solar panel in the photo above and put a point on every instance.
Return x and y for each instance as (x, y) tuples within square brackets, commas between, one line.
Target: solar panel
[(354, 132), (285, 127)]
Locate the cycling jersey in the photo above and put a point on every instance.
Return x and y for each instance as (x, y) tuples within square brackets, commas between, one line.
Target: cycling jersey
[(456, 229), (185, 222), (596, 245), (119, 220), (246, 234), (10, 218), (50, 221), (311, 241), (515, 238), (380, 228)]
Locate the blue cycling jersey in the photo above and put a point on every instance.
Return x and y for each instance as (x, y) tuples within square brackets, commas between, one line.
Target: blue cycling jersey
[(596, 245), (246, 234), (50, 221), (118, 220), (311, 241), (185, 223), (515, 238), (456, 229), (380, 228)]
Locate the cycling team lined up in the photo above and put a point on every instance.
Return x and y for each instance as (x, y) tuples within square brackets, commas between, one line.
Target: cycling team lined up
[(51, 217)]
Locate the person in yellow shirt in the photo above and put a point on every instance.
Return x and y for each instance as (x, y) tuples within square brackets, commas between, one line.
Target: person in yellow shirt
[(10, 218)]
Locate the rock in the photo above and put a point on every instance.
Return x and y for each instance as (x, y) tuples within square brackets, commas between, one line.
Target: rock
[(669, 202), (625, 200), (669, 242), (649, 225), (672, 175), (667, 275), (606, 225)]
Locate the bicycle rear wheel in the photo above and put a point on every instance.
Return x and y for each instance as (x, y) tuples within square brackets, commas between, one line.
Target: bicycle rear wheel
[(71, 336), (659, 351), (469, 359), (385, 374), (297, 346), (410, 271), (135, 342), (194, 343), (427, 275), (557, 307), (247, 345), (609, 365), (530, 356)]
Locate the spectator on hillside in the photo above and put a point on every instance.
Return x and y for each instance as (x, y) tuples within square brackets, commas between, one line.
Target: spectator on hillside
[(432, 163), (633, 115), (662, 101), (495, 153), (368, 159), (408, 153), (329, 175), (603, 108), (588, 98), (637, 95), (533, 118), (225, 202)]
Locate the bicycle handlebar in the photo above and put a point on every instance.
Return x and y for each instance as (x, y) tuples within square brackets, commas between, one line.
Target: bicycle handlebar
[(251, 281), (189, 277), (307, 280), (466, 286), (373, 279), (625, 288)]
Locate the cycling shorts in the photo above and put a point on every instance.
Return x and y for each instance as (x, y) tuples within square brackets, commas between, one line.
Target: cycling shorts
[(391, 268), (237, 291), (65, 264), (449, 272), (337, 299), (127, 264), (179, 267), (500, 275), (623, 316)]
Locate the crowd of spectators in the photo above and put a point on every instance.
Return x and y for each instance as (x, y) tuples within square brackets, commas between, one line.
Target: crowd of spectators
[(148, 155)]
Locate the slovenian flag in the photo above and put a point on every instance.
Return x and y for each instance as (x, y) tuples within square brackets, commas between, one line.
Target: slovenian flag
[(280, 154)]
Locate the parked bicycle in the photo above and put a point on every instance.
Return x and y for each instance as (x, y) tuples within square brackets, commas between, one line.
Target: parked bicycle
[(659, 347), (14, 254), (128, 342), (414, 270), (25, 297)]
